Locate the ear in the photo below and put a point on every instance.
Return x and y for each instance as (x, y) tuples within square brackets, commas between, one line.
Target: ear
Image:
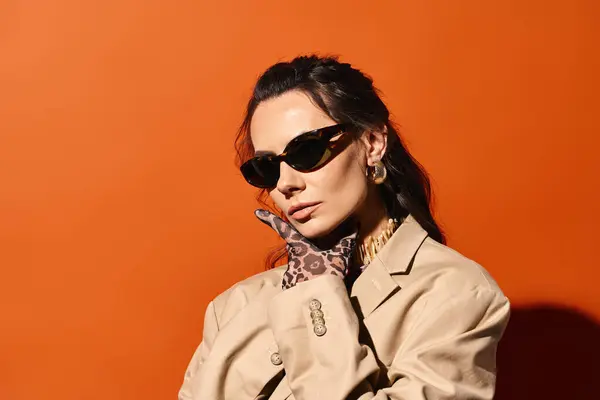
[(375, 142)]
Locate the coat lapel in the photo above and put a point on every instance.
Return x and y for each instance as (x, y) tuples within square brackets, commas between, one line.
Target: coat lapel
[(375, 284)]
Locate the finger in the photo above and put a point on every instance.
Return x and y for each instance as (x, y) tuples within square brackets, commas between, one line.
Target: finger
[(285, 230), (351, 236)]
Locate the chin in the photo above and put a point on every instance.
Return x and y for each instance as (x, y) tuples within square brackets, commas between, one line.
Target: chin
[(315, 228)]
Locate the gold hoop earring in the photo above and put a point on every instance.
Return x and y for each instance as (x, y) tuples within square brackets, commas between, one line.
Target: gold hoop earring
[(377, 173)]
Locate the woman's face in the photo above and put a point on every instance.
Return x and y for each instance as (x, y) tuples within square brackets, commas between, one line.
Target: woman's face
[(327, 196)]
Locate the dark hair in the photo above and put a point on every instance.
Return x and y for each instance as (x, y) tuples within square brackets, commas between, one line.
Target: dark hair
[(347, 96)]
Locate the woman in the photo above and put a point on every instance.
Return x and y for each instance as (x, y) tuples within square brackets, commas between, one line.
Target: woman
[(371, 304)]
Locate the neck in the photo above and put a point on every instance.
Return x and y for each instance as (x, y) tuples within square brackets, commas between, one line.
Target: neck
[(373, 218)]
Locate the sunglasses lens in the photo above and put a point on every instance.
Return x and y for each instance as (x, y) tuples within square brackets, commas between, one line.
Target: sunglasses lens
[(261, 172), (307, 154), (304, 153)]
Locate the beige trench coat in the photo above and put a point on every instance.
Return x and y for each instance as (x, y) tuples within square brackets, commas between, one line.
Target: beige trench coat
[(421, 322)]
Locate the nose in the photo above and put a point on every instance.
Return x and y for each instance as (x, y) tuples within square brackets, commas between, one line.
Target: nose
[(290, 181)]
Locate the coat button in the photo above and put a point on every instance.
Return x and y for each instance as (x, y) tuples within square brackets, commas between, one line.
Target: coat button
[(319, 329), (316, 314), (314, 305), (276, 359), (318, 321)]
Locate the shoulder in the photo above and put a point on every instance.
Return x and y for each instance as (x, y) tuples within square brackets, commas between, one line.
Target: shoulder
[(418, 262), (454, 265), (445, 273), (260, 287), (442, 281)]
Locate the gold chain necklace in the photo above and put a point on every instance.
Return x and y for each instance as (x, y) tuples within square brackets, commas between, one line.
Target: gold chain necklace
[(370, 246)]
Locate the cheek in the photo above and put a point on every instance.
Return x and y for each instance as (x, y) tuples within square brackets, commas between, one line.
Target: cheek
[(341, 177), (339, 182), (347, 183), (342, 187), (279, 199)]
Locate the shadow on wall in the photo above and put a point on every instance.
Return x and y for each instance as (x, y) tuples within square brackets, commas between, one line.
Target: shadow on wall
[(549, 353)]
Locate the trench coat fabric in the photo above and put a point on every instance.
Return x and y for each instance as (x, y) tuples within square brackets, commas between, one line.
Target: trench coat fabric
[(420, 322)]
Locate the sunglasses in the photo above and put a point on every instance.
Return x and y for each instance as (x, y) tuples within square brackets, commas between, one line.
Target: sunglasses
[(304, 153)]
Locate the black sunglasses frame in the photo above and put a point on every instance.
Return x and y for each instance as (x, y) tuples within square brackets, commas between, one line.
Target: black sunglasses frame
[(322, 134)]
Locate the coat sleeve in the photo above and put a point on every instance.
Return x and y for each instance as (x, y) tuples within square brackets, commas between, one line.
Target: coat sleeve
[(201, 354), (449, 353)]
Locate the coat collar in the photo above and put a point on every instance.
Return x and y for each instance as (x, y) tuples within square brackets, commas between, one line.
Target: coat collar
[(376, 283)]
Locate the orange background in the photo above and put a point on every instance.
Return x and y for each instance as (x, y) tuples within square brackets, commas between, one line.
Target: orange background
[(122, 213)]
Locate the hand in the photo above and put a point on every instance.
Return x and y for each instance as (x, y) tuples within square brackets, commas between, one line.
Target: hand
[(305, 260)]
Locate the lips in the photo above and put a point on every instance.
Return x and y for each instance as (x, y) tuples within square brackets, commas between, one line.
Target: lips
[(302, 211)]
